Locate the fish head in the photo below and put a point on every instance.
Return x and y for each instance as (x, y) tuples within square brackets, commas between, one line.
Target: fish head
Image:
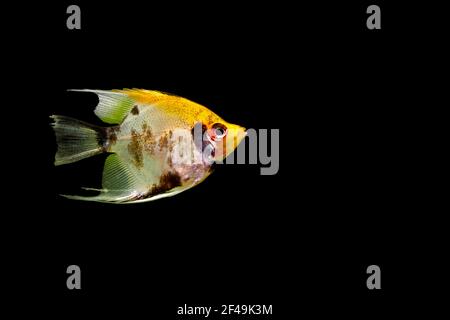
[(225, 137)]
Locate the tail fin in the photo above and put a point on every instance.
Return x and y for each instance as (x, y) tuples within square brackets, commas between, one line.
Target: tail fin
[(76, 139)]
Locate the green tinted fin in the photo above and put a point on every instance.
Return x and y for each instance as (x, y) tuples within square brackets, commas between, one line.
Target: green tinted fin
[(120, 183), (113, 107), (119, 177), (76, 139)]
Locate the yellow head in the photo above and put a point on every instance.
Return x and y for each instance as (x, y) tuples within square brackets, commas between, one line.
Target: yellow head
[(224, 137), (221, 137)]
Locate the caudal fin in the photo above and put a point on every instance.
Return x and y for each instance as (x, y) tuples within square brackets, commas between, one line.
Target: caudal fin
[(76, 139)]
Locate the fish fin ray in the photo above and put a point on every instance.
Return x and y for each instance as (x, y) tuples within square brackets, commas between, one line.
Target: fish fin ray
[(113, 106), (103, 197), (76, 139), (120, 183), (146, 96), (118, 176)]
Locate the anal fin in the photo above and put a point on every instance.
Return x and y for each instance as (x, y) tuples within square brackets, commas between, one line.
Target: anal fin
[(120, 183)]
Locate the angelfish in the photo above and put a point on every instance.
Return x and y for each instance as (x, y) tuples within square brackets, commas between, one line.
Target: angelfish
[(159, 144)]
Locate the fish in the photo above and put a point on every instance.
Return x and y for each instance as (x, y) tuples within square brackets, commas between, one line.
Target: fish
[(157, 144)]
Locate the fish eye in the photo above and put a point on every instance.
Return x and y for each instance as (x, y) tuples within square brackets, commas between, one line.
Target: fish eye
[(219, 131)]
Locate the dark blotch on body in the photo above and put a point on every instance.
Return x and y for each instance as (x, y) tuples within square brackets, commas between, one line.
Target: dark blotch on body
[(135, 110), (109, 137), (167, 182), (139, 143), (170, 142), (163, 142), (147, 138), (135, 149)]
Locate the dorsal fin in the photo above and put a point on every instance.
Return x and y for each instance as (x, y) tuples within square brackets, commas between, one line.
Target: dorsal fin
[(113, 106), (144, 96)]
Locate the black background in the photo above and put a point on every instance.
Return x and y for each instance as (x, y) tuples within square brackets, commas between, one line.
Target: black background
[(343, 199)]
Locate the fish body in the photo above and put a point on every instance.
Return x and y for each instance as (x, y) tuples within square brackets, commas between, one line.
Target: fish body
[(159, 144)]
